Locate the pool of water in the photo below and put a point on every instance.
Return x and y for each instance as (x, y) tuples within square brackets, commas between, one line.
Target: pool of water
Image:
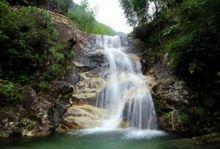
[(94, 139)]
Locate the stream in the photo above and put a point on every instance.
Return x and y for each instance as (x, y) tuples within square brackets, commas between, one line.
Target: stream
[(118, 139)]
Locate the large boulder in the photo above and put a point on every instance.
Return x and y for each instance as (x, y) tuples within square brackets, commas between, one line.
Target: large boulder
[(73, 77), (88, 87), (63, 87), (89, 58), (65, 28), (81, 116), (30, 98)]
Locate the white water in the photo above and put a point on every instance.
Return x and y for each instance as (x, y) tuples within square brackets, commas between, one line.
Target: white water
[(126, 97)]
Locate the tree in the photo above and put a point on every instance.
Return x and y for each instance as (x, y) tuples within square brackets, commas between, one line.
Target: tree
[(61, 6), (135, 11)]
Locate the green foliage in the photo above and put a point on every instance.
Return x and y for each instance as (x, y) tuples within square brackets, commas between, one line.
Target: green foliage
[(29, 46), (42, 86), (55, 69), (61, 55), (188, 32), (135, 11), (167, 115), (8, 93), (183, 118), (29, 51), (23, 79), (29, 33), (85, 20), (200, 112), (61, 6)]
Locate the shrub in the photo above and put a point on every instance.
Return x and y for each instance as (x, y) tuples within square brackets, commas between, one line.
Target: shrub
[(28, 41), (23, 79), (61, 6), (188, 31), (183, 118), (27, 34), (9, 93), (42, 86)]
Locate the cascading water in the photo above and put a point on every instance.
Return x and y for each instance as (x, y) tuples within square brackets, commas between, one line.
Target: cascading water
[(126, 96)]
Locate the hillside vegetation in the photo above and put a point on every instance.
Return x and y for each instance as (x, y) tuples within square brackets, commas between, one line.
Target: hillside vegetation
[(85, 20), (186, 33), (29, 47), (30, 50)]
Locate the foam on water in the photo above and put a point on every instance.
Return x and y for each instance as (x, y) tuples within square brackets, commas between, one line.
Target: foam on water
[(143, 134), (128, 133)]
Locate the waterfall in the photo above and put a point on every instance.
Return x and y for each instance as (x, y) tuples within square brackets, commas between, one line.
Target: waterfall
[(126, 96)]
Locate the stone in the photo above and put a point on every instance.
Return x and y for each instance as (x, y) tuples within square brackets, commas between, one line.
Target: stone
[(171, 97), (73, 77), (83, 116), (30, 97), (65, 28), (64, 87), (89, 86)]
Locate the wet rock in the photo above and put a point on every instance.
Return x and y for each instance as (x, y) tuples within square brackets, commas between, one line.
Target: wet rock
[(57, 111), (88, 87), (28, 126), (205, 141), (97, 57), (16, 123), (73, 77), (66, 90), (89, 61), (64, 87), (30, 97), (87, 56), (82, 116), (171, 97)]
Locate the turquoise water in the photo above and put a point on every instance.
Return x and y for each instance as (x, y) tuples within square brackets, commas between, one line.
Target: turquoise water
[(102, 140)]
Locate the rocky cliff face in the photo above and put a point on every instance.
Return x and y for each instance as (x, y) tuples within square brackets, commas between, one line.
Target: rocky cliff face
[(177, 105), (171, 96), (63, 106)]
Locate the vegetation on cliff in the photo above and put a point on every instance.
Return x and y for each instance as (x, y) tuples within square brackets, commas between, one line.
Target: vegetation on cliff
[(82, 15), (30, 49), (85, 20), (38, 41), (36, 51), (60, 6), (29, 46), (186, 32)]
